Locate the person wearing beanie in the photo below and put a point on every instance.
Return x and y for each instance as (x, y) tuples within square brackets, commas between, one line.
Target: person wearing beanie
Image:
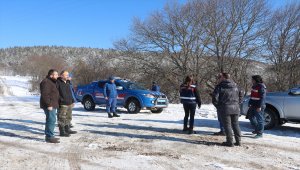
[(155, 87)]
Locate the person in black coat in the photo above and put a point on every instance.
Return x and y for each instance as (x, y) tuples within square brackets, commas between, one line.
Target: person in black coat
[(190, 98), (49, 103), (227, 97)]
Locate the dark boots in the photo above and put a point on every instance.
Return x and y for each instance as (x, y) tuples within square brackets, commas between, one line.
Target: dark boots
[(237, 141), (191, 131), (109, 115), (116, 115), (63, 132), (113, 115), (52, 140), (220, 133), (69, 131), (229, 141), (188, 130), (228, 144)]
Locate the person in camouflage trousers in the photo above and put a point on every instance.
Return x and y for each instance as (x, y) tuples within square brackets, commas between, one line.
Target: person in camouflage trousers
[(66, 103)]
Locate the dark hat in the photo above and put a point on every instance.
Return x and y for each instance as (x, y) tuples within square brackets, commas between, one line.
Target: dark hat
[(257, 78), (154, 82), (111, 78)]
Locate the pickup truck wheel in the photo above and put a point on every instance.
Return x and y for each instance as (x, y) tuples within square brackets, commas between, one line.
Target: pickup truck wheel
[(157, 110), (133, 106), (271, 118), (88, 104)]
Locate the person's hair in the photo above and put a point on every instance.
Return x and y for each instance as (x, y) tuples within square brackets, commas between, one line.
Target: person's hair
[(225, 75), (189, 80), (51, 71), (62, 72), (257, 78)]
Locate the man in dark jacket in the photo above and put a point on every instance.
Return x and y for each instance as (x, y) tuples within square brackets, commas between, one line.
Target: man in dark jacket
[(189, 97), (66, 103), (227, 98), (257, 105), (110, 94), (49, 103)]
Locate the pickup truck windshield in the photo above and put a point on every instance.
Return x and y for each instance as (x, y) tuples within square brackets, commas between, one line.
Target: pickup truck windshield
[(133, 86)]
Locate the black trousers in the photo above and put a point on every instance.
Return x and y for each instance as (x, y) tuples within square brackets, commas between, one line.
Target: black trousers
[(189, 110), (231, 122)]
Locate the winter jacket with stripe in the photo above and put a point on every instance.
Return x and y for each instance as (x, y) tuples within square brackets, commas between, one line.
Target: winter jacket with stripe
[(258, 96), (189, 94)]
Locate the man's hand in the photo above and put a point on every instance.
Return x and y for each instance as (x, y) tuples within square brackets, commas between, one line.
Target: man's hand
[(72, 105), (50, 108), (258, 109), (106, 98)]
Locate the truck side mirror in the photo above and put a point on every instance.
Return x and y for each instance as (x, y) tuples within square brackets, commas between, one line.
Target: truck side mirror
[(119, 88)]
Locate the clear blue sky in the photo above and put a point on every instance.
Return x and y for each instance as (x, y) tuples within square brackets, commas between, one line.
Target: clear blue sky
[(76, 23)]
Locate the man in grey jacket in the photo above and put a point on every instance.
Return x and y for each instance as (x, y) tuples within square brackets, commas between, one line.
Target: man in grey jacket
[(227, 98)]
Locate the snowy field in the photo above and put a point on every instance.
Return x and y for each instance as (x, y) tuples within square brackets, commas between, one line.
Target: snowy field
[(133, 141)]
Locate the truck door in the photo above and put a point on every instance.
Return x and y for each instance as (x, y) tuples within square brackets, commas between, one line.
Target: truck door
[(121, 94), (98, 92), (292, 106)]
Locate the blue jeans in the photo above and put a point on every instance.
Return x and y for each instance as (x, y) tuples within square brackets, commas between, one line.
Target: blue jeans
[(111, 105), (220, 121), (50, 122), (257, 120)]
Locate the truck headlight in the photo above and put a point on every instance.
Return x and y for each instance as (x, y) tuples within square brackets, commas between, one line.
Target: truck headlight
[(149, 95)]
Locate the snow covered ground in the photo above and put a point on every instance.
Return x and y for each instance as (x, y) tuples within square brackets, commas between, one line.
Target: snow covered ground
[(133, 141)]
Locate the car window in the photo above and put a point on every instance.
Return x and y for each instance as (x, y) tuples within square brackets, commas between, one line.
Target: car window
[(118, 84), (133, 86)]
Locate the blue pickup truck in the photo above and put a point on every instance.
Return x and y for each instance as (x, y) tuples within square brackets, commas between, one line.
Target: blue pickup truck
[(131, 95)]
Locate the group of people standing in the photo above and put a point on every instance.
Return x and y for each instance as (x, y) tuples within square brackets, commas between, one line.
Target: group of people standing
[(57, 99), (227, 98)]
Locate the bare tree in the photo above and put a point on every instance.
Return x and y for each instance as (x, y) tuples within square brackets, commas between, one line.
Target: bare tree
[(234, 32), (201, 37), (37, 67), (94, 68), (166, 45), (283, 45)]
